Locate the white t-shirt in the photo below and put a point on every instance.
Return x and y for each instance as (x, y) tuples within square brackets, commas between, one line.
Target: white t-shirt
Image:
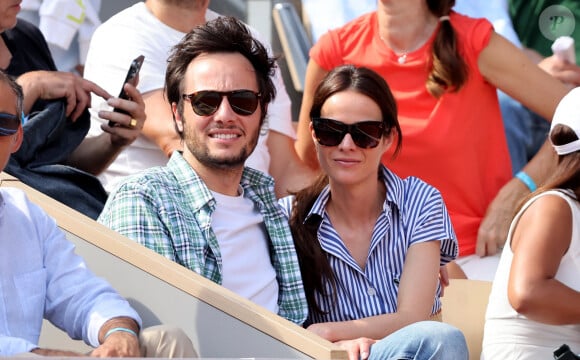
[(243, 241), (135, 31)]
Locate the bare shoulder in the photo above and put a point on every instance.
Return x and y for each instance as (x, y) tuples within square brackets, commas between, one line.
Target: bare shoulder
[(544, 228), (549, 215)]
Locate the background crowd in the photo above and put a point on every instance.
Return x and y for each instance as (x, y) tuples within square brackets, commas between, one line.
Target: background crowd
[(423, 150)]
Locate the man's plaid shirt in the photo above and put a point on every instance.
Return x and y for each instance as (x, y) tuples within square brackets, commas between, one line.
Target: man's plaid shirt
[(168, 209)]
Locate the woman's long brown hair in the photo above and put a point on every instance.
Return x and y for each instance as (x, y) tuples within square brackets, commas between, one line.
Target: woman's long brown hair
[(314, 265)]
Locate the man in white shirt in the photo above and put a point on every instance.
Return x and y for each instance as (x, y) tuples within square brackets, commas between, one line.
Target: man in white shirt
[(151, 28)]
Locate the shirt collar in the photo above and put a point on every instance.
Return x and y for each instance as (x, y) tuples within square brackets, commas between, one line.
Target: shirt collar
[(395, 194), (395, 188), (254, 183), (194, 189)]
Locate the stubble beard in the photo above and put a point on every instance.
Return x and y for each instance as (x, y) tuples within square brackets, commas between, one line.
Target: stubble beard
[(201, 152)]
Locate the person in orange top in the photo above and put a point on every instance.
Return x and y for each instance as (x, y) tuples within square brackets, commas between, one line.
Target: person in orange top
[(443, 69)]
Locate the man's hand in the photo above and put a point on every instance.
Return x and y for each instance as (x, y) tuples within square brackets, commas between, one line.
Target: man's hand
[(51, 85), (118, 344), (127, 127), (443, 278), (494, 227), (96, 153), (562, 70)]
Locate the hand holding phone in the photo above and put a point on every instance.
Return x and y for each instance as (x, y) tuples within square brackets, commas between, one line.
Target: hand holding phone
[(132, 79)]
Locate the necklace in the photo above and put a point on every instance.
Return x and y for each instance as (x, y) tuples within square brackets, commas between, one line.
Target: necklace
[(423, 37), (401, 59)]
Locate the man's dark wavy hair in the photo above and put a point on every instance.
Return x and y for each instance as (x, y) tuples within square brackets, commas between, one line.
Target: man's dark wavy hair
[(225, 34)]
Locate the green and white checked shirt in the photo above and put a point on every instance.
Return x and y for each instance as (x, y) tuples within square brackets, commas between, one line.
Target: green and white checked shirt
[(168, 209)]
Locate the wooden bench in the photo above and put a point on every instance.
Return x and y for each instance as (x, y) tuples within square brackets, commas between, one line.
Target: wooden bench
[(464, 305), (220, 323)]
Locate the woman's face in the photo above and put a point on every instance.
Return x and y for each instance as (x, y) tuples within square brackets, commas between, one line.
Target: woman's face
[(8, 11), (347, 163)]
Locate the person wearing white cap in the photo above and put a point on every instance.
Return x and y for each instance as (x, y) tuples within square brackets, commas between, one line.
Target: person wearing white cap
[(533, 305)]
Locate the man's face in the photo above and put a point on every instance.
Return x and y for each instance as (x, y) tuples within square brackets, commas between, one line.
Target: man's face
[(9, 143), (223, 139)]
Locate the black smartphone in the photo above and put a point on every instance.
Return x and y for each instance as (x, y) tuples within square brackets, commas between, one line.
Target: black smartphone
[(130, 78)]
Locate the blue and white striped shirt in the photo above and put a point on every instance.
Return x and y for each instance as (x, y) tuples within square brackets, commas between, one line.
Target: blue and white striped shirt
[(413, 212)]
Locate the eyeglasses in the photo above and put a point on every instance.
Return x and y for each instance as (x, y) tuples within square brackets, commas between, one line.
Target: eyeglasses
[(9, 124), (206, 102), (365, 134)]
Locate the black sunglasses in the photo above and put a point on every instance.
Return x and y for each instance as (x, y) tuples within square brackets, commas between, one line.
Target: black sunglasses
[(206, 102), (365, 134), (9, 124)]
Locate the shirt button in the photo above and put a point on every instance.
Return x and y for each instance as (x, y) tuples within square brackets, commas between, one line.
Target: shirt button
[(371, 291)]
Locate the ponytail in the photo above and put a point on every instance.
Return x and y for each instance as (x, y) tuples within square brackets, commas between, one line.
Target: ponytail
[(448, 69)]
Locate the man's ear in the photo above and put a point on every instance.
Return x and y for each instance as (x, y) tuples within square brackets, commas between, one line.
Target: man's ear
[(177, 118), (17, 140)]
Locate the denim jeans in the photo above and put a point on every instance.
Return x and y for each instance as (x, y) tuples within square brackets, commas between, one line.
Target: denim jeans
[(422, 341), (525, 130)]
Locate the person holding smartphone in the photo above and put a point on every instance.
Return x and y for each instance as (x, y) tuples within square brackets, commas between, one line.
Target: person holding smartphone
[(150, 28), (131, 78), (58, 159)]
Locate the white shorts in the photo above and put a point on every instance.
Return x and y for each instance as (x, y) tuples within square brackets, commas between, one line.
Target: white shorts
[(479, 268)]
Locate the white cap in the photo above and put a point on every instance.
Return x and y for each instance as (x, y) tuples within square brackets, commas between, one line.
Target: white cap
[(568, 113)]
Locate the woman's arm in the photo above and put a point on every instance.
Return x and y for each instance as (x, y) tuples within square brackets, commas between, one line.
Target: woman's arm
[(510, 70), (541, 238), (304, 144), (417, 288)]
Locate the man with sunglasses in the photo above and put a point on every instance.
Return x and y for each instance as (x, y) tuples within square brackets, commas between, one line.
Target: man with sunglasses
[(206, 210), (151, 28), (43, 278)]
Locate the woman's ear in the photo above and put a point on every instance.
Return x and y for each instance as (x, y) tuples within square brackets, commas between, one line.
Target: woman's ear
[(312, 133), (177, 118), (388, 139)]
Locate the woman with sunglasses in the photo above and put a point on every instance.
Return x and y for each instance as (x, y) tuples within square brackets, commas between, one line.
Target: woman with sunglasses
[(444, 69), (370, 243)]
